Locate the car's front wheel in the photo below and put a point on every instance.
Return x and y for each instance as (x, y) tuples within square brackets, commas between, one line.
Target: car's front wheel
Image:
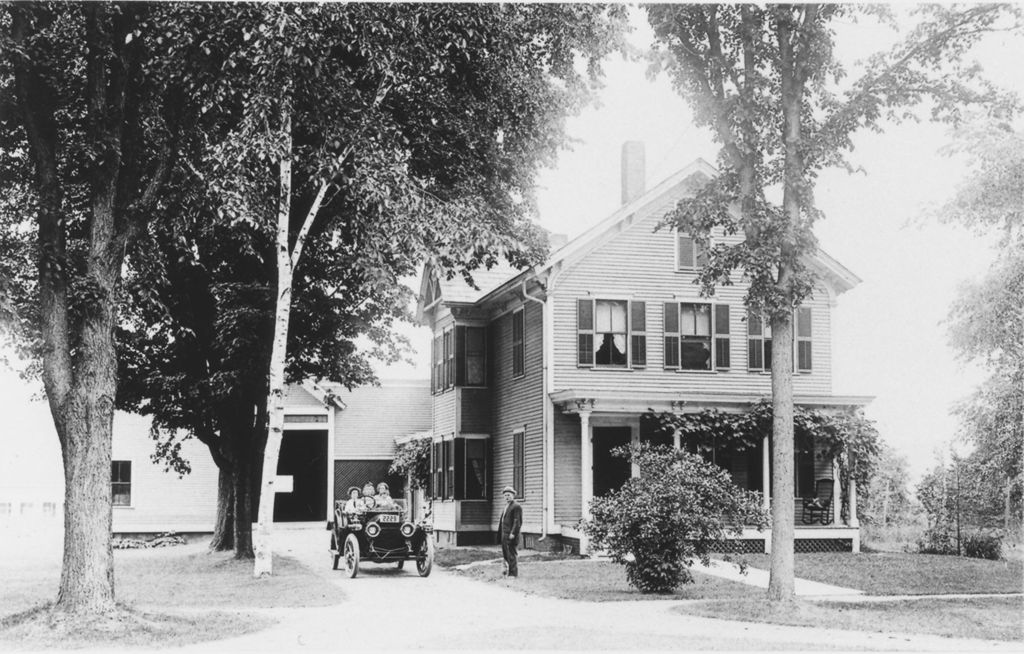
[(351, 555), (425, 556)]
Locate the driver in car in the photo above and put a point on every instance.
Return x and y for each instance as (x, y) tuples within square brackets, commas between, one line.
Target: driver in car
[(369, 501)]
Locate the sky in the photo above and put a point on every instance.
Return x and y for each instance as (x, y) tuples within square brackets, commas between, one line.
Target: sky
[(889, 340)]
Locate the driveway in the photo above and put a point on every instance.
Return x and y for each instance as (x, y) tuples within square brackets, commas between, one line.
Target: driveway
[(390, 609)]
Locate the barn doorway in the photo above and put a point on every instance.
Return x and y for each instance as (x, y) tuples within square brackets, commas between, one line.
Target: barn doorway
[(610, 472), (304, 457)]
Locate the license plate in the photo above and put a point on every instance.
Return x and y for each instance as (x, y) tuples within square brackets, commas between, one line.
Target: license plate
[(387, 518)]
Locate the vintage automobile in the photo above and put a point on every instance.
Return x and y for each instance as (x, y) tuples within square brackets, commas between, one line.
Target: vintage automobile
[(380, 535)]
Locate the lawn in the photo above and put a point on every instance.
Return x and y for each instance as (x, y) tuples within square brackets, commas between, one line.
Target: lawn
[(170, 596), (990, 618), (601, 581), (900, 573), (449, 557)]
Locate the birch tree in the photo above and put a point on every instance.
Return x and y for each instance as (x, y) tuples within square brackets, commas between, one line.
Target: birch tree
[(766, 81)]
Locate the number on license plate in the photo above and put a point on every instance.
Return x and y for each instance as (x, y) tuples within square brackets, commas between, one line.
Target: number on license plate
[(387, 518)]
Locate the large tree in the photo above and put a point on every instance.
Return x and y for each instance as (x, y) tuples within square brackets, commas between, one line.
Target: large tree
[(986, 323), (765, 80), (91, 119)]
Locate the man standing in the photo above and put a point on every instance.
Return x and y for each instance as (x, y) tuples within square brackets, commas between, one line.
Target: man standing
[(508, 528)]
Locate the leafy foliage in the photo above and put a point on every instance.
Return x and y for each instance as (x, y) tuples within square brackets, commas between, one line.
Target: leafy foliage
[(674, 513), (413, 459)]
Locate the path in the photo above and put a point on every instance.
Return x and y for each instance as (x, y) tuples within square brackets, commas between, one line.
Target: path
[(388, 609)]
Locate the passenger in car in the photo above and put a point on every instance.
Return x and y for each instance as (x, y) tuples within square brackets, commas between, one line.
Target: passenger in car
[(384, 499), (369, 501)]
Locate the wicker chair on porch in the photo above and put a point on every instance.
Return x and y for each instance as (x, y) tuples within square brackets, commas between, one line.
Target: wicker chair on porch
[(819, 508)]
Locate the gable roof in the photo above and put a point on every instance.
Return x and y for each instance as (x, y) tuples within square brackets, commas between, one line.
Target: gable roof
[(492, 284)]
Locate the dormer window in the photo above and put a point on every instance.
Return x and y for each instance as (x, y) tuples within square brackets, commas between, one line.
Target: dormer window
[(689, 253)]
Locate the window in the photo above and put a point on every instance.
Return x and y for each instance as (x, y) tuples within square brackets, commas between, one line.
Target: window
[(759, 343), (689, 254), (803, 339), (121, 482), (518, 349), (697, 336), (459, 468), (518, 461), (449, 359), (611, 333), (803, 473), (470, 350), (437, 378)]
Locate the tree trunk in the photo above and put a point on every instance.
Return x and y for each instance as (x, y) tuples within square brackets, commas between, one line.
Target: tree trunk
[(87, 574), (1006, 502), (781, 582), (223, 530)]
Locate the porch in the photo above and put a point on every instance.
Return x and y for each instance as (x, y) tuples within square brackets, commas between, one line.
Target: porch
[(604, 425)]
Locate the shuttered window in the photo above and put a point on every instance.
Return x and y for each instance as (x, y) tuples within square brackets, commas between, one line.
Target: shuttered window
[(121, 483), (690, 255), (695, 336), (437, 470), (449, 464), (470, 350), (803, 339), (474, 469), (437, 376), (672, 335), (518, 346), (611, 333)]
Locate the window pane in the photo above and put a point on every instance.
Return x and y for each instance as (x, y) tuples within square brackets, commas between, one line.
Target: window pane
[(696, 320), (475, 371), (696, 355), (476, 465), (612, 350), (703, 314), (474, 340), (685, 251), (688, 322), (611, 316)]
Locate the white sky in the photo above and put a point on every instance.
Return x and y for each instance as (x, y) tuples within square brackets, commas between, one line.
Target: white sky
[(888, 337)]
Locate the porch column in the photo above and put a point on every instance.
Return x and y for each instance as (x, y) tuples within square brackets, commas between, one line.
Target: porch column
[(851, 500), (766, 474), (677, 440), (586, 474)]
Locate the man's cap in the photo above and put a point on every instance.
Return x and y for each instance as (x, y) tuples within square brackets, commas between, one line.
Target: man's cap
[(508, 489)]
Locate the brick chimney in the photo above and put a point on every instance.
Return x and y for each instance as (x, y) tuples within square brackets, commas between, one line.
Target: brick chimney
[(632, 171)]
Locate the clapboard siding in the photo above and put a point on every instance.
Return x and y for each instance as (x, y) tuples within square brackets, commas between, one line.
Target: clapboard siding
[(444, 413), (163, 501), (568, 502), (639, 264), (518, 404), (375, 415)]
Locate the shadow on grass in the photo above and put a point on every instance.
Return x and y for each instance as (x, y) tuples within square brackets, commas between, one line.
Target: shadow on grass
[(602, 581), (983, 617)]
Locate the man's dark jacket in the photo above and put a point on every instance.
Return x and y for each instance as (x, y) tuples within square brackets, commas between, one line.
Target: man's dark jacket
[(511, 521)]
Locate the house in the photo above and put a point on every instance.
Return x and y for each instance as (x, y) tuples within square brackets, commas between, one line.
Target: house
[(334, 438), (538, 374)]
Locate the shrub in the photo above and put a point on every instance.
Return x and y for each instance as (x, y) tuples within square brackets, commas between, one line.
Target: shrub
[(659, 523), (983, 546)]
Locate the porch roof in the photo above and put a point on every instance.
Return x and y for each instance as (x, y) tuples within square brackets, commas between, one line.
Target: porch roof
[(603, 401)]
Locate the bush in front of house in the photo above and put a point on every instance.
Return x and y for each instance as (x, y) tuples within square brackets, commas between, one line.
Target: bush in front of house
[(975, 545), (983, 546), (673, 514)]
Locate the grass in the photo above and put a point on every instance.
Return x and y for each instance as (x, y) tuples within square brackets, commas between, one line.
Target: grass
[(449, 557), (900, 573), (600, 581), (990, 618), (168, 596)]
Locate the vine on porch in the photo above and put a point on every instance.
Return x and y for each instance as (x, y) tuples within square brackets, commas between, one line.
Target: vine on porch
[(849, 438), (412, 459)]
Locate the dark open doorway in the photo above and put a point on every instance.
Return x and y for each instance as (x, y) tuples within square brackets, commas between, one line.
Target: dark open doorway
[(304, 457), (610, 472)]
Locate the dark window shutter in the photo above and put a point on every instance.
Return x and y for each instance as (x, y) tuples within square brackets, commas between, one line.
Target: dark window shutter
[(671, 334), (460, 356), (638, 339), (803, 339), (722, 342), (460, 468), (585, 332)]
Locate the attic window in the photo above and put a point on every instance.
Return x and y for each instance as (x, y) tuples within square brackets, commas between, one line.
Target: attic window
[(689, 253)]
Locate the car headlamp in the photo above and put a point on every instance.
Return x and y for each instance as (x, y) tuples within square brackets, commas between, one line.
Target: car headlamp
[(373, 530), (408, 529)]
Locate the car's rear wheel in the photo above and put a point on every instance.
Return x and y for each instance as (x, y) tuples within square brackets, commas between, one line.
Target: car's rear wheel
[(425, 556), (335, 554), (351, 555)]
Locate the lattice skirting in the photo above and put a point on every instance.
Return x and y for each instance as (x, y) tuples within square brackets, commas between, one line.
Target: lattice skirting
[(740, 546), (810, 545)]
